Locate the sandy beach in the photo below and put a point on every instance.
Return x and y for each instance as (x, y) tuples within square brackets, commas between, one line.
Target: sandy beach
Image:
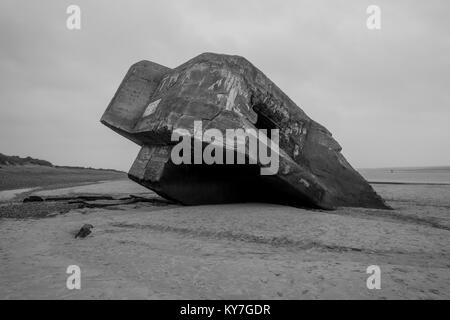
[(238, 251)]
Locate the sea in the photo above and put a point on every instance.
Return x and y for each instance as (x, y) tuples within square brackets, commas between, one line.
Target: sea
[(410, 175)]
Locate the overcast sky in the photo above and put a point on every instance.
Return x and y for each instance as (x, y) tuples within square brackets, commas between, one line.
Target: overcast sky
[(384, 94)]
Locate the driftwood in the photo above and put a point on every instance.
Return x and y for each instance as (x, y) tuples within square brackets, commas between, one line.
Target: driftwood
[(100, 201)]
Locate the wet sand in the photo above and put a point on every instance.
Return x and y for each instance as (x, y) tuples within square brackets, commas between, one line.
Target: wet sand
[(7, 195), (239, 251)]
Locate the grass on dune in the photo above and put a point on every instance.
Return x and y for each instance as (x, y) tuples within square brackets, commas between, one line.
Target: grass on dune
[(17, 177)]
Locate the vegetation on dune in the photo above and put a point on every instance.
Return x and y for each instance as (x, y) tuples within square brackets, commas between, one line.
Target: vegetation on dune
[(18, 173), (18, 161), (17, 177)]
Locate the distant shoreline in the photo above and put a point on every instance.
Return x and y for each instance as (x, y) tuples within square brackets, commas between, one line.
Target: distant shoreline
[(411, 183), (408, 176), (432, 168)]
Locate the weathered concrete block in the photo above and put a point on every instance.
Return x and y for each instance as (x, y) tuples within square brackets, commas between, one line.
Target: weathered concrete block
[(228, 92)]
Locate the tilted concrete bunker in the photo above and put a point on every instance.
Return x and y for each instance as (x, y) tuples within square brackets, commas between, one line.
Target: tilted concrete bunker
[(228, 92)]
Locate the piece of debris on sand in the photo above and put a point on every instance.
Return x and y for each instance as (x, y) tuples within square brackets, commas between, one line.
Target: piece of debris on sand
[(84, 231), (33, 199)]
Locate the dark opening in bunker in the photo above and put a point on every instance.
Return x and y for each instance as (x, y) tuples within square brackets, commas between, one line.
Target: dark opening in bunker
[(225, 183), (264, 122)]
